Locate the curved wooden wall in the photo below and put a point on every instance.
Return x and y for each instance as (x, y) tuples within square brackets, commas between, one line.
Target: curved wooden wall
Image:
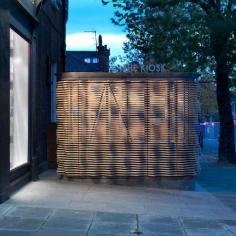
[(127, 125)]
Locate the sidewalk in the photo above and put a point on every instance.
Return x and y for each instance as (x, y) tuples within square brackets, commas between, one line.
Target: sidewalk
[(53, 207), (72, 207), (63, 222)]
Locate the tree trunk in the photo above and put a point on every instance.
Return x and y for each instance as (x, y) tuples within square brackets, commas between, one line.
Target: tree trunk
[(226, 140)]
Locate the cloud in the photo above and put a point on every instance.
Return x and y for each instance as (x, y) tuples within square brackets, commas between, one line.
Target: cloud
[(86, 42)]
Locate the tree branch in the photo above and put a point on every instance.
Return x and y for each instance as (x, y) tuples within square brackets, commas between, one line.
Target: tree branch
[(213, 4), (230, 5), (203, 5)]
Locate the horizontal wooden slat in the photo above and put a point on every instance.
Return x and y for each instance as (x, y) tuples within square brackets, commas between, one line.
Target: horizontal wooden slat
[(141, 127)]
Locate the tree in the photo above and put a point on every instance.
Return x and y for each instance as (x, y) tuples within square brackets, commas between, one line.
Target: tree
[(129, 62), (188, 35), (208, 102)]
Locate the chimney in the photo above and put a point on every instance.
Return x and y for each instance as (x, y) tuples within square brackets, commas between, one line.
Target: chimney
[(100, 40), (103, 55)]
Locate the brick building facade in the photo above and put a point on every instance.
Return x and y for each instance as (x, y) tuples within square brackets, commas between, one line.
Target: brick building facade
[(89, 61)]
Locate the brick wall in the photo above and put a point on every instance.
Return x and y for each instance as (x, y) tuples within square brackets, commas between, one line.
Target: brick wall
[(51, 50)]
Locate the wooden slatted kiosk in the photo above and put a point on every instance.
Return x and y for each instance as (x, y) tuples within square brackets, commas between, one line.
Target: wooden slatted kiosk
[(127, 125)]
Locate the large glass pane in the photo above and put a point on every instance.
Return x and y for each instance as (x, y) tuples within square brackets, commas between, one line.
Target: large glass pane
[(19, 78)]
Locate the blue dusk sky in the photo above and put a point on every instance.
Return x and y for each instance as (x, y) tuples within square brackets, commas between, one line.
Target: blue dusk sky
[(90, 15)]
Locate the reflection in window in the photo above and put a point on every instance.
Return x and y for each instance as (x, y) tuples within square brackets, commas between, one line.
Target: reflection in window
[(87, 60), (91, 60), (95, 60), (19, 77)]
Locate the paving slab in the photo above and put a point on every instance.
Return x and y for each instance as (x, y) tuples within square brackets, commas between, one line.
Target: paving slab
[(30, 212), (161, 221), (201, 224), (60, 232), (151, 225), (162, 234), (4, 208), (78, 214), (68, 223), (198, 227), (16, 233), (110, 229), (161, 229), (17, 223), (117, 218), (232, 229), (229, 222), (208, 232)]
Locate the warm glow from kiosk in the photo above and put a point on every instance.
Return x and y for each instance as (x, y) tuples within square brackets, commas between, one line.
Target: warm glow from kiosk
[(127, 125)]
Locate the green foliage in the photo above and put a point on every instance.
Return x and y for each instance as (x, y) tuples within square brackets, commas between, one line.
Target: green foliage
[(34, 2), (208, 101), (193, 36), (184, 35)]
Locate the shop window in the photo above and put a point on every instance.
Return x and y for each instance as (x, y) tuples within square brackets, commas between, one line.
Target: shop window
[(19, 82)]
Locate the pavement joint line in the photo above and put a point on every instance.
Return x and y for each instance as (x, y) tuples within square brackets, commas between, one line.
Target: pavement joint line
[(6, 211), (45, 220), (227, 229), (232, 233), (181, 224), (91, 223), (138, 226), (137, 231)]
